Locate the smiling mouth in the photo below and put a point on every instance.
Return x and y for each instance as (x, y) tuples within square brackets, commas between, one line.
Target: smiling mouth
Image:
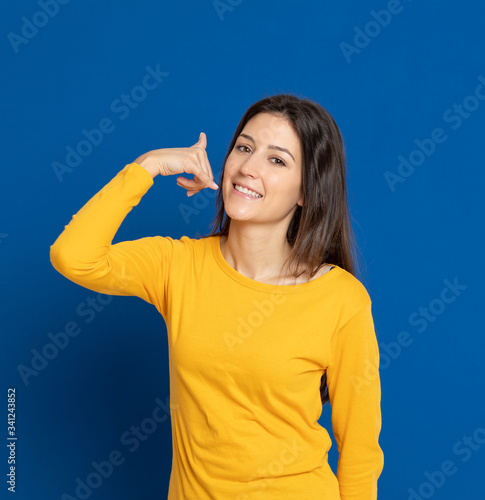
[(247, 192)]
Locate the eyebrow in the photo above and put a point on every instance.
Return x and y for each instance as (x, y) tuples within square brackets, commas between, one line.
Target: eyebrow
[(270, 146)]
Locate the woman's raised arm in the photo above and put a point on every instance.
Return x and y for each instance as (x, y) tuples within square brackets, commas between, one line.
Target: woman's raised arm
[(83, 252)]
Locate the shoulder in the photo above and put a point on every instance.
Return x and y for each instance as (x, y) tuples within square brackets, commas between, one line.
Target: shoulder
[(353, 310), (184, 245), (350, 291), (183, 241)]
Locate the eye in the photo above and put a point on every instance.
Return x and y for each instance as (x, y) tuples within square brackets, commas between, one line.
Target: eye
[(280, 164), (241, 146)]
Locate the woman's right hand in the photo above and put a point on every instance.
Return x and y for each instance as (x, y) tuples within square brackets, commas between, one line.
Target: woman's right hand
[(171, 161)]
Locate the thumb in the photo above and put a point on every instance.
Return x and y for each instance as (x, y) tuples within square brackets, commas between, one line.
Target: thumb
[(202, 142)]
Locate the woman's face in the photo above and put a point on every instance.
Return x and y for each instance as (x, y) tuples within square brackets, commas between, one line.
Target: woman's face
[(267, 159)]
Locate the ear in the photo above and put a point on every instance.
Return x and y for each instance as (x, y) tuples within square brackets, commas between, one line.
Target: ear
[(300, 201)]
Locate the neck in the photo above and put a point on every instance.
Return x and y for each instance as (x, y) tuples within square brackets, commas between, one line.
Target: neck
[(255, 252)]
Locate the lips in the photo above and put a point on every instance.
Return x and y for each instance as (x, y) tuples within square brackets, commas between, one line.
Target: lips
[(247, 187)]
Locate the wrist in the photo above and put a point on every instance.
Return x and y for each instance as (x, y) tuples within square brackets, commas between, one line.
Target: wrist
[(151, 168)]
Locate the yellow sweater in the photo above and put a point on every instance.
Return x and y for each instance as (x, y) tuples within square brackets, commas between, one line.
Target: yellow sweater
[(245, 358)]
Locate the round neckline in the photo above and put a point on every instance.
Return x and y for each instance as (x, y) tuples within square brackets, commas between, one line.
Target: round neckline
[(266, 287)]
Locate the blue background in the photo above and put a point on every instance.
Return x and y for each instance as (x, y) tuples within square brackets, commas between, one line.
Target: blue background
[(399, 85)]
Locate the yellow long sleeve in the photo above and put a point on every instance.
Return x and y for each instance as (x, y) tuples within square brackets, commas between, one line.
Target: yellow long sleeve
[(355, 395), (83, 252)]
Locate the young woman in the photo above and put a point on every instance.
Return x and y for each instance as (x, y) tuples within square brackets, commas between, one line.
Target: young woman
[(265, 317)]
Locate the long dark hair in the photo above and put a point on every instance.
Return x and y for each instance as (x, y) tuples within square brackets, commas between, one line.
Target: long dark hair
[(320, 231)]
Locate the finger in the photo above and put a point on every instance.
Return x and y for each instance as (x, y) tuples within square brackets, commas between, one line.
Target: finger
[(189, 184), (202, 141), (206, 167), (201, 176), (191, 192), (203, 163), (209, 169)]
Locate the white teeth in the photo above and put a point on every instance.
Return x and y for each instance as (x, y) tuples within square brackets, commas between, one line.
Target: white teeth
[(247, 191)]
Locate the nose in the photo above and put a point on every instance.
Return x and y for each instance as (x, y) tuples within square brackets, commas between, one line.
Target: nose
[(250, 166)]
